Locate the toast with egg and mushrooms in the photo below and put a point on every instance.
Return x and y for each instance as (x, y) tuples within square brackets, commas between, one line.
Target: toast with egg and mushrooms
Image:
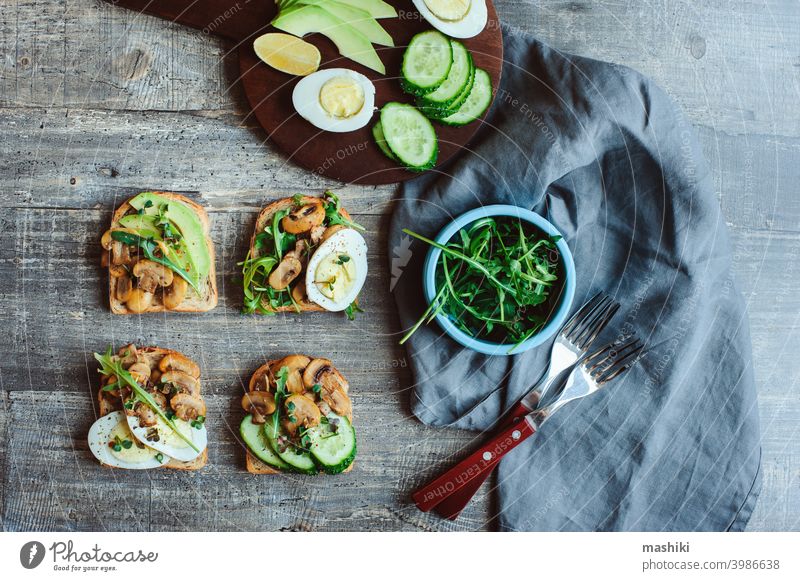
[(171, 381), (306, 254), (299, 418), (160, 256)]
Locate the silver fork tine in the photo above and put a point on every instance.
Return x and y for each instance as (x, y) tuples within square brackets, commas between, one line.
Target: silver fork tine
[(580, 324), (610, 360), (596, 325), (581, 313)]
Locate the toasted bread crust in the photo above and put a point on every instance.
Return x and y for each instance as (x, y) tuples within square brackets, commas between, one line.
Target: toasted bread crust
[(264, 218), (105, 408), (253, 464), (191, 304)]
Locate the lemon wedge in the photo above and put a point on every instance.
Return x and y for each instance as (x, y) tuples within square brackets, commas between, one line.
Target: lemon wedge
[(287, 53)]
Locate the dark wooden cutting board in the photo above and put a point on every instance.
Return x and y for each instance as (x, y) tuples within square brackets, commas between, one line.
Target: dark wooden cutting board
[(348, 157)]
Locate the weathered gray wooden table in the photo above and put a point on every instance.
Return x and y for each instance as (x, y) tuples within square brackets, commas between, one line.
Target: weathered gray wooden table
[(97, 103)]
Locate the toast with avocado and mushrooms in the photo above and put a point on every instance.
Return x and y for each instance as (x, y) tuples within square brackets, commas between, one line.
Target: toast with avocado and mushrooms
[(160, 256), (306, 254), (299, 418), (152, 411)]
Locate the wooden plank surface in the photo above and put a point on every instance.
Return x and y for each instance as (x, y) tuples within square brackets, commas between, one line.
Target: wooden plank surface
[(97, 103)]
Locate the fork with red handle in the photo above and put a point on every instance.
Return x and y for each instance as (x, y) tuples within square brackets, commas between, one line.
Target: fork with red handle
[(572, 343), (457, 485)]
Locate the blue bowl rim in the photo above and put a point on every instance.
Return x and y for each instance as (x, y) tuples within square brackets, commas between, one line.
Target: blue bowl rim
[(488, 347)]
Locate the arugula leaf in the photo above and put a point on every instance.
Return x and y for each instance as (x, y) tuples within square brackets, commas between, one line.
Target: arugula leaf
[(351, 311), (333, 213), (495, 280), (110, 366), (280, 393)]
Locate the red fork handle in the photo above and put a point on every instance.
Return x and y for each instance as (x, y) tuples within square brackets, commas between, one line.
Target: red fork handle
[(451, 506), (479, 463)]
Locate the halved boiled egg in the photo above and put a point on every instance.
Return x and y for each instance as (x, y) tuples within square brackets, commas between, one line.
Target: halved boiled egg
[(337, 270), (163, 438), (111, 441), (455, 18), (336, 100)]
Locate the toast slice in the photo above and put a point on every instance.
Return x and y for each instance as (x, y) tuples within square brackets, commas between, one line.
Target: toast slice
[(192, 302), (264, 221), (252, 463), (153, 355)]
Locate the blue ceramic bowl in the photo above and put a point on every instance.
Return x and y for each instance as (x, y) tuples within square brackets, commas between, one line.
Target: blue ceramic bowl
[(558, 317)]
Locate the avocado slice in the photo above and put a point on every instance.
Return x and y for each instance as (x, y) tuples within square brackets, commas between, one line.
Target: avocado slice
[(359, 19), (189, 225), (377, 8), (145, 225), (304, 19)]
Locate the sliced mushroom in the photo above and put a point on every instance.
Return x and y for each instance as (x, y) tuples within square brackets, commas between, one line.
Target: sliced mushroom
[(155, 376), (304, 218), (316, 233), (124, 287), (259, 404), (299, 292), (106, 240), (147, 415), (330, 231), (295, 364), (187, 407), (139, 301), (120, 253), (175, 293), (288, 270), (128, 355), (300, 251), (321, 371), (262, 379), (140, 373), (302, 411), (179, 362), (183, 382), (152, 275), (338, 401)]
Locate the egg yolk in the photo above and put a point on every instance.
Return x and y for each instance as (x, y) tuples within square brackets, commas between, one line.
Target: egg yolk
[(335, 275), (341, 97), (134, 454)]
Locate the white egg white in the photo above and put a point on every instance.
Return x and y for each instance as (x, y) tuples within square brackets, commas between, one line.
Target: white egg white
[(101, 433), (346, 241), (305, 99), (168, 441), (471, 25)]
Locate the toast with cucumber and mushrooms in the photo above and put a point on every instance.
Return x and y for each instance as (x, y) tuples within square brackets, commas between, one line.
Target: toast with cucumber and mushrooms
[(299, 418), (152, 411), (160, 256), (306, 254)]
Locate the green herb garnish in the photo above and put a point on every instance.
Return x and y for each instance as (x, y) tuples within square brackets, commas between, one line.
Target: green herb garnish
[(280, 393), (351, 311), (110, 366), (494, 279), (333, 213)]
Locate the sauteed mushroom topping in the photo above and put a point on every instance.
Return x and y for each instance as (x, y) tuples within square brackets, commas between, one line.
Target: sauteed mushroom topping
[(260, 404), (301, 411), (288, 270), (175, 293), (178, 362), (182, 382), (187, 407), (338, 402), (152, 275), (304, 218), (295, 364), (139, 300), (322, 372), (124, 287)]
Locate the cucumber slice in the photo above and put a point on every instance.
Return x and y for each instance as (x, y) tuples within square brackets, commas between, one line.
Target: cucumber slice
[(426, 62), (440, 113), (333, 450), (456, 81), (377, 134), (256, 440), (480, 97), (409, 135), (301, 462)]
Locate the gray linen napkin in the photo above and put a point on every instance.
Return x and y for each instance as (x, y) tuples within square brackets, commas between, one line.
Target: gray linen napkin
[(604, 154)]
